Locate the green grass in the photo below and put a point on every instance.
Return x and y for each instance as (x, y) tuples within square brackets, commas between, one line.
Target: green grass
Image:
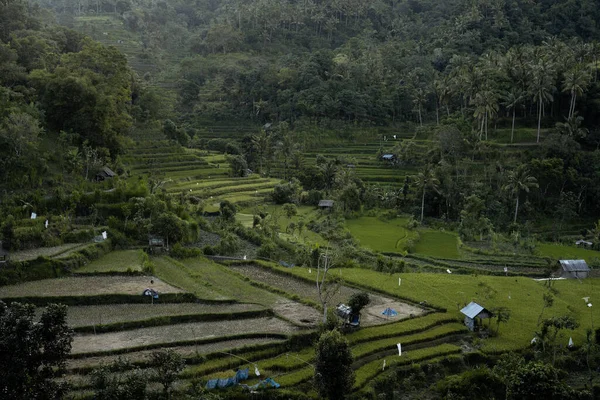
[(523, 296), (374, 368), (374, 346), (379, 235), (399, 328), (437, 244), (220, 279), (116, 261), (170, 272), (563, 252)]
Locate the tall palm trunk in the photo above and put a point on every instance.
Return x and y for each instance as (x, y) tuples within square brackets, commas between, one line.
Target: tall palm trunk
[(512, 131), (539, 118), (516, 209), (423, 204)]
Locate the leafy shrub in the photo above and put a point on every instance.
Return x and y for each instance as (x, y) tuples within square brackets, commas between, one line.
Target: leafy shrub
[(178, 251)]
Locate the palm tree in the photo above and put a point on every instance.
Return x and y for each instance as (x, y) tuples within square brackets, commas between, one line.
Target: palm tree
[(441, 88), (541, 88), (518, 180), (286, 148), (486, 105), (512, 99), (262, 144), (426, 180), (419, 99), (572, 127), (575, 82)]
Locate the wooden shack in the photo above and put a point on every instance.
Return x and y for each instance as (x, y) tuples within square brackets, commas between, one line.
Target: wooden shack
[(474, 313), (105, 173), (3, 255), (574, 269)]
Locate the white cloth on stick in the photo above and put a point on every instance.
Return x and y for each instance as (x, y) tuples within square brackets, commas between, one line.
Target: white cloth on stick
[(33, 215), (399, 349)]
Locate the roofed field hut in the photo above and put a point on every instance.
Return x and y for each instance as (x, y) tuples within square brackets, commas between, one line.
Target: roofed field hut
[(574, 269), (3, 255), (105, 173), (474, 312), (326, 204)]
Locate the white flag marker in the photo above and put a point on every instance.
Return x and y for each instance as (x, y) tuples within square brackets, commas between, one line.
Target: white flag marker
[(399, 349)]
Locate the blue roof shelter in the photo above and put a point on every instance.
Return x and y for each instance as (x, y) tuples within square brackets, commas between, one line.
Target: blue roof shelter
[(473, 311)]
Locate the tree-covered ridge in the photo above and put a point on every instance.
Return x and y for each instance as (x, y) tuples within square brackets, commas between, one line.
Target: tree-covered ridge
[(57, 87), (372, 62)]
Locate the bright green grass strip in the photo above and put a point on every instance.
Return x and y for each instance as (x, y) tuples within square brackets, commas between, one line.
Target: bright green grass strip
[(374, 368), (438, 244), (171, 273), (523, 296), (381, 235), (289, 361), (220, 279), (296, 377), (400, 328), (116, 261), (364, 349), (562, 252)]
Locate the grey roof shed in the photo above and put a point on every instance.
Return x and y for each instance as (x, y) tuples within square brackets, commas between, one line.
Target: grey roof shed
[(326, 203), (574, 269), (472, 311)]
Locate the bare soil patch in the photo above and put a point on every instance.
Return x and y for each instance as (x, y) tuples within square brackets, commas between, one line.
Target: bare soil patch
[(174, 333), (371, 315), (298, 313), (87, 286)]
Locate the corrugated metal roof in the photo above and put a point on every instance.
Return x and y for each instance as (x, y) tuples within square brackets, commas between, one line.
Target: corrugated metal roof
[(472, 309), (574, 265), (326, 203)]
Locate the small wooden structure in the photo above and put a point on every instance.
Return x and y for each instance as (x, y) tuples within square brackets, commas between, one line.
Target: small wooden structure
[(472, 312), (156, 245), (388, 157), (105, 173), (326, 204), (3, 255), (577, 269), (349, 318)]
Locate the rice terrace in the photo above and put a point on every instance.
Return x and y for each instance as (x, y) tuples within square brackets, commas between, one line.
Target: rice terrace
[(222, 200)]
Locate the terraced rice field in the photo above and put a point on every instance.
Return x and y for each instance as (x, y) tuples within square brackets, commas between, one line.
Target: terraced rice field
[(201, 174), (207, 279), (165, 335), (79, 316), (55, 251), (379, 235), (185, 351), (87, 286), (304, 289), (116, 261)]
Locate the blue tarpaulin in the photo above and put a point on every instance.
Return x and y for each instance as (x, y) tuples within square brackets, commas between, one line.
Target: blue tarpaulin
[(240, 375), (389, 312)]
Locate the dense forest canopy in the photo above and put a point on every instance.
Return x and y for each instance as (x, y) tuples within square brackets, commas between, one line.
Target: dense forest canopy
[(58, 86), (366, 61)]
